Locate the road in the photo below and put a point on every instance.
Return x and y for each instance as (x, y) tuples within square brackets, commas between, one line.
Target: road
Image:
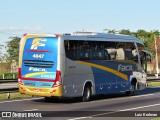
[(101, 107)]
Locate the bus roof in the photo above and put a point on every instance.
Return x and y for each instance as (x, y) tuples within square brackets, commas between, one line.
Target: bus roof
[(92, 36), (102, 37)]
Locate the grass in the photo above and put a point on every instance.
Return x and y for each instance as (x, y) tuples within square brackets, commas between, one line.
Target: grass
[(16, 95), (156, 119), (153, 84)]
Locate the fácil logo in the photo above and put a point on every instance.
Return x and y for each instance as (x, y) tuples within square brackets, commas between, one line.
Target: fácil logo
[(38, 42), (37, 69)]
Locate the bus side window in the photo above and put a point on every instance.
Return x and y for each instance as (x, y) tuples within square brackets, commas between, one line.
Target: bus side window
[(81, 52), (120, 55), (98, 50), (106, 55), (131, 52), (129, 55), (67, 48), (71, 49), (84, 50), (111, 53), (135, 55)]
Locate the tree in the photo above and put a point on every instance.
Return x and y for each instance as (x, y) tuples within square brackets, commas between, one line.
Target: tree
[(111, 31), (1, 47), (13, 49), (125, 32), (146, 37)]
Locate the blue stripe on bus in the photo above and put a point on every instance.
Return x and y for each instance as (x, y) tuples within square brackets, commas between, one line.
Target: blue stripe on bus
[(38, 84), (106, 82)]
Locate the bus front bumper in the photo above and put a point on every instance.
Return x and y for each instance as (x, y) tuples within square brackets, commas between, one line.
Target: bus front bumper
[(45, 92)]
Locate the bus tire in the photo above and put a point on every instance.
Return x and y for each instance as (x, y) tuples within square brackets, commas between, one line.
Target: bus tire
[(86, 94), (131, 91)]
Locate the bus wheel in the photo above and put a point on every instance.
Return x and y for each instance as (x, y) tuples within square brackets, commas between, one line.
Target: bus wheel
[(86, 94), (131, 92)]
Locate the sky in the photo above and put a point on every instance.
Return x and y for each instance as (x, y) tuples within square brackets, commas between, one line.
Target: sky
[(67, 16)]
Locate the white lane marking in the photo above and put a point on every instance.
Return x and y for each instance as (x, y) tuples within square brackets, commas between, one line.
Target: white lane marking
[(80, 118), (89, 102), (123, 98), (96, 115), (140, 107), (20, 100), (141, 95), (125, 110), (31, 110)]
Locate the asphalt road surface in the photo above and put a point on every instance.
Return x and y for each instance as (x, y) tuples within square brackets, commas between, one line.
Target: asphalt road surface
[(115, 106)]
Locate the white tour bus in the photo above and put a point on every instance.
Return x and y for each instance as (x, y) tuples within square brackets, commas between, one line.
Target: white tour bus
[(81, 65)]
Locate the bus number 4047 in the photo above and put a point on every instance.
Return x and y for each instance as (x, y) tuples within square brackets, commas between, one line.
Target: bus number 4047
[(38, 55)]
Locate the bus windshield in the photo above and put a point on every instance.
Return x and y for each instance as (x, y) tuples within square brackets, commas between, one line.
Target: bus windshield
[(40, 58)]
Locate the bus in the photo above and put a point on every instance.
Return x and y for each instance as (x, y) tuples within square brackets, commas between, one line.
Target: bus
[(81, 64)]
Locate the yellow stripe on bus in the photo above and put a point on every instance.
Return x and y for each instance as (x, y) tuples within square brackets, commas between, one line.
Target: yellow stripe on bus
[(124, 76), (37, 73)]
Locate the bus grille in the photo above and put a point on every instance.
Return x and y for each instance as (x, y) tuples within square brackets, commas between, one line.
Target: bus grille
[(38, 63)]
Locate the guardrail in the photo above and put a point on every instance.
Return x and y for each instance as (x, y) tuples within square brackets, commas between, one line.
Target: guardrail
[(8, 80), (153, 78), (150, 78), (8, 90)]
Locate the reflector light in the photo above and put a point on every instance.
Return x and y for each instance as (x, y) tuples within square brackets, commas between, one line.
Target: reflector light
[(24, 34), (56, 35), (58, 79), (19, 73), (19, 76)]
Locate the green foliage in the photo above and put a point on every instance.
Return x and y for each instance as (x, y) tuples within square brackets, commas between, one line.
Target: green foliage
[(1, 76), (125, 32), (13, 95), (147, 37), (111, 31), (1, 47), (13, 49), (9, 76)]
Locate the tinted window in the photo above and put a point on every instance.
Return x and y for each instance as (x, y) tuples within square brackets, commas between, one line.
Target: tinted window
[(93, 50)]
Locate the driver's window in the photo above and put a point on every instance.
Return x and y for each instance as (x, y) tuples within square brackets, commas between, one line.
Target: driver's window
[(148, 58), (145, 59)]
